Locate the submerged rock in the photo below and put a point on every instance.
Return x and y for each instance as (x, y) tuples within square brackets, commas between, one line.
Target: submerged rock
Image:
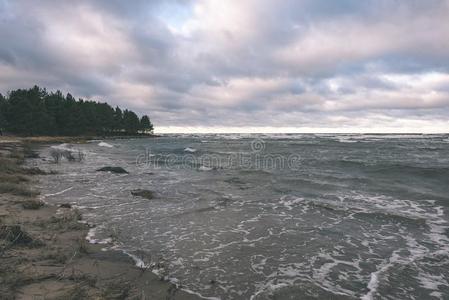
[(143, 193), (118, 170)]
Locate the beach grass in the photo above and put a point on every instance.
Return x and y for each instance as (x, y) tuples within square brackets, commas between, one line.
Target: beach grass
[(17, 189)]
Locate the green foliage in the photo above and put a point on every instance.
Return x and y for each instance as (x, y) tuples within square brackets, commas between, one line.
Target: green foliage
[(145, 124), (2, 112), (131, 122), (37, 112)]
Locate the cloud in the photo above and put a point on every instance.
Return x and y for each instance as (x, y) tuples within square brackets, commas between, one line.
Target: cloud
[(210, 63)]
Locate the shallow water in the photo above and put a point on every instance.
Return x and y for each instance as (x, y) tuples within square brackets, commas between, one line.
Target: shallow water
[(274, 216)]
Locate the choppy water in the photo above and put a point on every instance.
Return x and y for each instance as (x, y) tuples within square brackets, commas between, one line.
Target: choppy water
[(357, 216)]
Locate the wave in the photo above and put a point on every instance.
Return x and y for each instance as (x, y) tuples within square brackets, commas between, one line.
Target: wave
[(104, 144), (403, 211), (63, 146), (58, 193), (385, 168), (426, 172), (204, 168), (90, 237)]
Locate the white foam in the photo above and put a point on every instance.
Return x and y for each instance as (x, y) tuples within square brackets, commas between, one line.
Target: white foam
[(63, 146), (199, 295), (58, 193), (90, 238), (204, 168), (346, 139), (191, 150), (104, 144), (159, 272), (289, 203), (373, 284), (431, 282), (139, 262)]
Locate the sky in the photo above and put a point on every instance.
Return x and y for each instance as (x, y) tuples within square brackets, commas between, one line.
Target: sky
[(240, 65)]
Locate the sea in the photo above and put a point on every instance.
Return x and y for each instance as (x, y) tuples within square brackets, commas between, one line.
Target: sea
[(270, 216)]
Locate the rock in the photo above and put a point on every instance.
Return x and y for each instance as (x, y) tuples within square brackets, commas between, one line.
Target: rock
[(32, 204), (35, 171), (15, 234), (117, 170), (32, 154), (65, 205), (143, 193)]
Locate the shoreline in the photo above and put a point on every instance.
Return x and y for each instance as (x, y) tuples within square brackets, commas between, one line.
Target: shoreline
[(44, 248), (69, 139)]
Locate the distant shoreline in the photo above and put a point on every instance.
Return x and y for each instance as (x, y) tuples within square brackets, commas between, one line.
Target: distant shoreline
[(70, 139)]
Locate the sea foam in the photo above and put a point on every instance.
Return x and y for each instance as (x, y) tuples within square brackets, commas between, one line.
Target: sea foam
[(104, 144)]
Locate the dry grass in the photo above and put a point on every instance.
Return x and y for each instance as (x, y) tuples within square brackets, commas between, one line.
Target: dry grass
[(57, 256), (67, 221), (116, 290), (83, 246), (16, 189), (13, 178), (10, 280), (78, 292), (9, 166), (12, 166)]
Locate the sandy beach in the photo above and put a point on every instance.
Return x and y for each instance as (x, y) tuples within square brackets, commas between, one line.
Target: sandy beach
[(43, 249)]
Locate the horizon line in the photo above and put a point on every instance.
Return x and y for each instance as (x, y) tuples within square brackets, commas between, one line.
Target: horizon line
[(292, 130)]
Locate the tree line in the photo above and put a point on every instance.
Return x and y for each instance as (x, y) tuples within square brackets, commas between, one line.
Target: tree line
[(38, 112)]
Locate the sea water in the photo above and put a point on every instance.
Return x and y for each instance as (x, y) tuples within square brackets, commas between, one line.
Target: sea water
[(272, 216)]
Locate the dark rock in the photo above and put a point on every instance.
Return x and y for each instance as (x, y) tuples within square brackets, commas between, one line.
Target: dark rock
[(117, 170), (65, 205), (32, 154), (35, 171), (32, 204), (15, 235), (143, 193)]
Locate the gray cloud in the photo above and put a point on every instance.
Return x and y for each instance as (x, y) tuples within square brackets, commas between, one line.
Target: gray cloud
[(238, 63)]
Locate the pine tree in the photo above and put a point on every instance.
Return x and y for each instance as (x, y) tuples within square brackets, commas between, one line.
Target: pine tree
[(118, 120), (131, 122), (19, 113), (2, 113), (37, 112), (145, 124)]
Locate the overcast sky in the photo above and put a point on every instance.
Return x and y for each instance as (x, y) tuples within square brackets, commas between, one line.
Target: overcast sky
[(240, 65)]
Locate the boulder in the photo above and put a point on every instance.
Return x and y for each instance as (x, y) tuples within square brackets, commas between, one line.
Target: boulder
[(118, 170)]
